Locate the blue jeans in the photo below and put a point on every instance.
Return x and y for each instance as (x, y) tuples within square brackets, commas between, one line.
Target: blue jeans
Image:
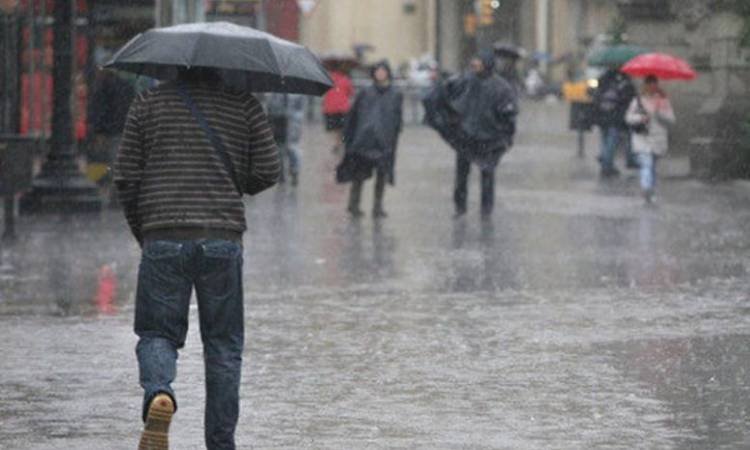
[(168, 272), (612, 136), (648, 170), (291, 153)]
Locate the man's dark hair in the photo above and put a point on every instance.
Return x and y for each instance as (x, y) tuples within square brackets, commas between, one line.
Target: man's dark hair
[(198, 75), (385, 65)]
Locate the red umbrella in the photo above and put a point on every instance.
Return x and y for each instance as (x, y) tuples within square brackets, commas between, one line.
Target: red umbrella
[(660, 65)]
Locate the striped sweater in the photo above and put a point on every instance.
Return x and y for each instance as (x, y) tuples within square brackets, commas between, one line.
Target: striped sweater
[(170, 177)]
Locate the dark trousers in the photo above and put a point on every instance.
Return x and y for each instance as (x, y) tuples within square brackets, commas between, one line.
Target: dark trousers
[(355, 194), (612, 138), (168, 272), (461, 192)]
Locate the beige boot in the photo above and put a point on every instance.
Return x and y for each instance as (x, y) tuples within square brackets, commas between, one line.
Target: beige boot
[(156, 430)]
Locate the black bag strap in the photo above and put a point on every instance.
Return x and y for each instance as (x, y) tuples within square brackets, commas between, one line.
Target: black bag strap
[(212, 135), (640, 102)]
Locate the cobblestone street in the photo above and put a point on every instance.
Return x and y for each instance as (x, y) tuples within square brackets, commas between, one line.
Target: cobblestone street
[(576, 318)]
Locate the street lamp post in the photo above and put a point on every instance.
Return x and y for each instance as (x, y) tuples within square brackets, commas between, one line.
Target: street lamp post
[(60, 187)]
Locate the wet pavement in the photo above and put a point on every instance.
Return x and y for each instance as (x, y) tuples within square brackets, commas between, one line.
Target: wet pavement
[(576, 318)]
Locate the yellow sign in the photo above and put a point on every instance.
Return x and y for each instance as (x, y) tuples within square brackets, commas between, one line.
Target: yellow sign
[(577, 91), (470, 24), (487, 12)]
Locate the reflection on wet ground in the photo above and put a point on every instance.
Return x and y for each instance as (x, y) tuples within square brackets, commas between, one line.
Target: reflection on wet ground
[(702, 381), (575, 318)]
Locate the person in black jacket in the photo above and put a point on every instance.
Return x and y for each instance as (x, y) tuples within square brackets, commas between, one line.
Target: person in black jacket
[(476, 114), (612, 97), (371, 134)]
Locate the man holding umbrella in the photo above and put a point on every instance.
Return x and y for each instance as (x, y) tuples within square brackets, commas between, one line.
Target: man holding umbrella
[(191, 148)]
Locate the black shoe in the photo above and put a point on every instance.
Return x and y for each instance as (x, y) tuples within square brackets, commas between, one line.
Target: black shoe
[(356, 213), (649, 197), (295, 179), (610, 172), (633, 165), (379, 213), (459, 213)]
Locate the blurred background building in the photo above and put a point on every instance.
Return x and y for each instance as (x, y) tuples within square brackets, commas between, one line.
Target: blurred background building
[(555, 35), (398, 30)]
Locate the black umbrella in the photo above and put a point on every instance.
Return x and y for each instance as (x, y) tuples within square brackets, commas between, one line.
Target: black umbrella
[(247, 58), (508, 50), (337, 60)]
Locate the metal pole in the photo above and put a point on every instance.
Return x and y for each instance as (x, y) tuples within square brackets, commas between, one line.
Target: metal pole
[(32, 66), (62, 73), (9, 206), (17, 69), (5, 61), (43, 72), (91, 68), (60, 187), (542, 30)]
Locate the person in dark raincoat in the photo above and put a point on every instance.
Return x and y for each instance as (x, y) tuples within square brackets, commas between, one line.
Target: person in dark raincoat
[(371, 134), (476, 114), (507, 68)]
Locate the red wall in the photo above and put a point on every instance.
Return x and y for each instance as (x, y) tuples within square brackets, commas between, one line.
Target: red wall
[(282, 19), (37, 89)]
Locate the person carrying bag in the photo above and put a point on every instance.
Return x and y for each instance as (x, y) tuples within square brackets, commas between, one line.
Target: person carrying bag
[(649, 116)]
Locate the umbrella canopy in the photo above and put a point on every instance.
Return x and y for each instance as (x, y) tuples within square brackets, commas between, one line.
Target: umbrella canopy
[(508, 50), (616, 55), (338, 60), (660, 65), (245, 57)]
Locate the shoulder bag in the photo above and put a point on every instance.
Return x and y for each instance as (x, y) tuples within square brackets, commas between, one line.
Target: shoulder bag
[(212, 135)]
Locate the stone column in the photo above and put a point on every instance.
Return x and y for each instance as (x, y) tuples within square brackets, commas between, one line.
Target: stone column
[(542, 30), (449, 34), (715, 152)]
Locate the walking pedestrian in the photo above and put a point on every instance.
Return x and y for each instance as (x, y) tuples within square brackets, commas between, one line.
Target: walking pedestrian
[(612, 97), (286, 113), (190, 149), (650, 115), (371, 134), (336, 104), (476, 114)]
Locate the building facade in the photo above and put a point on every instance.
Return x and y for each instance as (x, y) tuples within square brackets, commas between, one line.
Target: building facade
[(551, 30), (395, 29)]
